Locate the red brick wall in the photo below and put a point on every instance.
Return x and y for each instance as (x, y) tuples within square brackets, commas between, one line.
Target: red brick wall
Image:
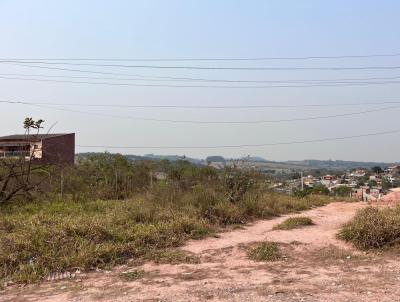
[(59, 149)]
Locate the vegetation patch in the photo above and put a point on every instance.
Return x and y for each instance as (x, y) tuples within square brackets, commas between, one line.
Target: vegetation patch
[(373, 228), (173, 257), (265, 251), (294, 223), (40, 237), (111, 210), (132, 275)]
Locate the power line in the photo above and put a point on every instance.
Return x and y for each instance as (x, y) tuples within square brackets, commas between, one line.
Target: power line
[(217, 122), (206, 67), (203, 106), (246, 145), (172, 79), (189, 78), (205, 86), (207, 59), (77, 70)]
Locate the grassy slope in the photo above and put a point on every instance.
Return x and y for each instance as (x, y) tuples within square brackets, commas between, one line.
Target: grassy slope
[(43, 237)]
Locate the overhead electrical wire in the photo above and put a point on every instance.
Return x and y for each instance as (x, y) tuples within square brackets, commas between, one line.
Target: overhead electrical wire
[(210, 59), (151, 79), (314, 83), (205, 86), (331, 68), (216, 122), (203, 106), (196, 79), (247, 145)]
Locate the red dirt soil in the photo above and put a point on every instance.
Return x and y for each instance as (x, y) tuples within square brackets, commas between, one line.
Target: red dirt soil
[(315, 267)]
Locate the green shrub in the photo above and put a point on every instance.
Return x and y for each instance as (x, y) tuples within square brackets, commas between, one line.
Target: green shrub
[(342, 191), (265, 251), (238, 183), (294, 223), (373, 228), (225, 213)]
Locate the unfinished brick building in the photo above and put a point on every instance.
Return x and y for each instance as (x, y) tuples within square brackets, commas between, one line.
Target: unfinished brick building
[(43, 148)]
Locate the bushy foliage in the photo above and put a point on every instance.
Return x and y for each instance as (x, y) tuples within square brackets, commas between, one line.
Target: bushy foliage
[(317, 190), (112, 176), (238, 182), (342, 191), (373, 228)]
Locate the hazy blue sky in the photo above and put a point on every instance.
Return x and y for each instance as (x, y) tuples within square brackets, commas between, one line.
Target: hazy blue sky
[(208, 29)]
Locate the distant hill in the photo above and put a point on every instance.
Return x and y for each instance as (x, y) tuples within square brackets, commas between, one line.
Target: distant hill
[(255, 159), (337, 164), (173, 158), (308, 164), (215, 158), (153, 157)]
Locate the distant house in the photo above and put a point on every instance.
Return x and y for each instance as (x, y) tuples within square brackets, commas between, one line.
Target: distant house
[(43, 148), (391, 169), (309, 181), (358, 173), (217, 165), (160, 175)]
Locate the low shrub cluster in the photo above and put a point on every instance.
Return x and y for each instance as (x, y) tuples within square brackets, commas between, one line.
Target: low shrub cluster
[(373, 228), (265, 251), (294, 223)]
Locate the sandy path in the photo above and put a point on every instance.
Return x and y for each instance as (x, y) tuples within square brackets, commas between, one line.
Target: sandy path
[(316, 267), (327, 220)]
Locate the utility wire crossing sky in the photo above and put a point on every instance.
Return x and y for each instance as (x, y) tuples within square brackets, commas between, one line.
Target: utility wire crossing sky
[(272, 62)]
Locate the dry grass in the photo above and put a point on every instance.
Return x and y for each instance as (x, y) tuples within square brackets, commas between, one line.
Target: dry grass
[(132, 275), (174, 256), (294, 223), (265, 251), (373, 228), (43, 237)]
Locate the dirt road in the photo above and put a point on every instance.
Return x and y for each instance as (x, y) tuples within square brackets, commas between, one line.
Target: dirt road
[(315, 267)]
